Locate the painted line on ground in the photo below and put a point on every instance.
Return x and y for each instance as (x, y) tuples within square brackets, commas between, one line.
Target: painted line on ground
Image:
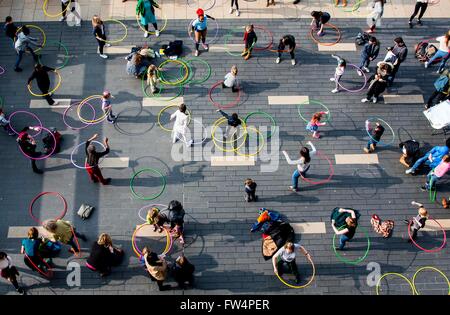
[(309, 228), (63, 103), (232, 161), (288, 100), (338, 47), (356, 158), (161, 101), (403, 99)]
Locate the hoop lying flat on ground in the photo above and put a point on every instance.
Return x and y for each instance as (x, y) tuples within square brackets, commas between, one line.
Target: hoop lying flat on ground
[(67, 110), (166, 108), (232, 104), (208, 71), (66, 57), (311, 34), (154, 196), (181, 80), (50, 92), (53, 193), (393, 274), (261, 113), (429, 268)]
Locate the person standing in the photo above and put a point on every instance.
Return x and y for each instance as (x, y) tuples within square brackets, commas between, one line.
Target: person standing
[(441, 89), (432, 158), (250, 190), (378, 81), (9, 272), (421, 5), (250, 40), (92, 160), (98, 29), (417, 222), (180, 128), (10, 28), (22, 44), (349, 229), (233, 122), (375, 136), (376, 15), (64, 232), (104, 255), (107, 107), (235, 3), (40, 73), (303, 164), (286, 40), (200, 29), (314, 124), (368, 54), (339, 72), (401, 52), (146, 10), (286, 255), (30, 247), (183, 271), (156, 267), (443, 53), (28, 146), (65, 8)]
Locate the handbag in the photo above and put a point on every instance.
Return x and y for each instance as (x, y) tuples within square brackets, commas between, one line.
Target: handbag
[(85, 211)]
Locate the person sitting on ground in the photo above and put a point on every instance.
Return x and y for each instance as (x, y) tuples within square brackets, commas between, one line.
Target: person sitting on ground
[(183, 271), (137, 65), (441, 90), (378, 81), (231, 80), (432, 158), (104, 255), (4, 122), (437, 173), (410, 152)]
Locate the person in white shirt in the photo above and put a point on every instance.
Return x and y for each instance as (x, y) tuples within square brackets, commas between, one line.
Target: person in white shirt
[(340, 69), (421, 5), (180, 128), (231, 80), (303, 164), (286, 255), (443, 53)]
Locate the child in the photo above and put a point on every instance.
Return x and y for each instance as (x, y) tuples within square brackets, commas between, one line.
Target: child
[(233, 122), (100, 35), (340, 69), (250, 189), (22, 44), (9, 28), (437, 173), (152, 78), (200, 29), (4, 122), (30, 247), (375, 136), (313, 125), (319, 20), (107, 107), (418, 222), (157, 219), (287, 40), (178, 231), (250, 40), (231, 81)]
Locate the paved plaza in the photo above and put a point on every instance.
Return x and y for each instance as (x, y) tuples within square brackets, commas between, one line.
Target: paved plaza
[(227, 257)]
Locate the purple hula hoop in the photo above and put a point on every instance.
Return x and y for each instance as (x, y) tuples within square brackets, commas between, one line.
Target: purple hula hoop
[(28, 113), (354, 91), (85, 124), (45, 156), (2, 70)]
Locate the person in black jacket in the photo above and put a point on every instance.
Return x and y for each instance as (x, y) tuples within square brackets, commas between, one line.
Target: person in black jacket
[(183, 271), (104, 255), (233, 122), (400, 51), (250, 190), (368, 54), (92, 160), (100, 35), (287, 40), (43, 82), (28, 146), (176, 218), (410, 152), (10, 28)]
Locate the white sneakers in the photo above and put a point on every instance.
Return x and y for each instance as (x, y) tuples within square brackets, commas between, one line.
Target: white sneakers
[(238, 13), (157, 33), (409, 171), (364, 100), (146, 34), (62, 19), (366, 69), (426, 64), (332, 79), (374, 99), (103, 56), (335, 91), (107, 45), (231, 11), (360, 73), (278, 60), (196, 53), (293, 62)]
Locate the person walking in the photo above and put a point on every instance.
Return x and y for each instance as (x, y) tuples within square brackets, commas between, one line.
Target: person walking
[(437, 173), (107, 107), (40, 73), (421, 5), (64, 232), (233, 122), (376, 15), (286, 255), (250, 40), (22, 45), (98, 29), (200, 29), (349, 229), (104, 255), (28, 146), (286, 40), (417, 222), (146, 10), (9, 272), (441, 90), (65, 8), (180, 127), (378, 81), (92, 160), (443, 53), (235, 3), (368, 54), (432, 158), (156, 267), (401, 52), (303, 164)]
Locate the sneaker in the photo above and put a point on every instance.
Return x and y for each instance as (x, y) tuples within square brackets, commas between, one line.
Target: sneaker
[(107, 181), (78, 24), (18, 69), (196, 53), (372, 147), (317, 136), (332, 79), (38, 171), (107, 45), (409, 171), (374, 99), (439, 71), (366, 150), (238, 13), (410, 24), (293, 62), (246, 198), (360, 73), (426, 106), (21, 291), (444, 203), (366, 69), (62, 19), (157, 33), (426, 64), (231, 10), (293, 189), (104, 56), (423, 188), (247, 57), (278, 60), (335, 91), (55, 103), (146, 34), (364, 100), (419, 22), (205, 46)]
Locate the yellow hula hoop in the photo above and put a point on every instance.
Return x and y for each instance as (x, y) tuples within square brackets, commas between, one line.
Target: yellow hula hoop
[(44, 5), (393, 274), (93, 121), (430, 268), (153, 33), (229, 150), (164, 109), (180, 81), (259, 148), (50, 92), (300, 286), (221, 120), (44, 37), (355, 12), (117, 40), (133, 237)]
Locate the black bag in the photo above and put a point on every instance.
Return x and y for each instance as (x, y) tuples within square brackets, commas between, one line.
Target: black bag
[(174, 48), (362, 38)]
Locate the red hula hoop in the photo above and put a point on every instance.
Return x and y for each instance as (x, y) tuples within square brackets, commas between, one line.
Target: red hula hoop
[(232, 104), (444, 242), (48, 274), (63, 213), (324, 181), (311, 34), (76, 242), (270, 36)]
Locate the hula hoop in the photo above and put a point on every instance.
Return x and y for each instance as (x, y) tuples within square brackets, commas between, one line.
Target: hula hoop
[(54, 193), (149, 197), (204, 136), (75, 149), (2, 70), (209, 8), (93, 121), (117, 40), (355, 12), (433, 192), (430, 268), (28, 113), (75, 238), (381, 143), (45, 5), (358, 90), (353, 8), (221, 120), (274, 123), (331, 172), (311, 34), (300, 286), (222, 148), (48, 274), (44, 156), (232, 104), (315, 102), (208, 42), (258, 150), (163, 110), (270, 36), (253, 47), (44, 38), (65, 114), (179, 81), (66, 58), (393, 274), (50, 92), (153, 33), (149, 207), (145, 86), (352, 262), (136, 249), (208, 74), (444, 241)]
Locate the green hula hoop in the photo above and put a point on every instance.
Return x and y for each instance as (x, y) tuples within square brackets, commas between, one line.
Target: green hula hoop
[(274, 123), (202, 80), (180, 81), (311, 101), (144, 90), (66, 58), (228, 35), (347, 261), (433, 191), (154, 171)]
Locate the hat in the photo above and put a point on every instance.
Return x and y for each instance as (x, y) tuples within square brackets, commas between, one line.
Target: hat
[(200, 12)]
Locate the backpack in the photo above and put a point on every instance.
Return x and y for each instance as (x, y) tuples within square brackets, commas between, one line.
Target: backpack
[(362, 38), (441, 84), (85, 211), (174, 48), (425, 51)]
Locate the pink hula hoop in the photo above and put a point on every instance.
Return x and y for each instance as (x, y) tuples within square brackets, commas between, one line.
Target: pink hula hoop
[(24, 112), (232, 104), (358, 90), (45, 156), (444, 241)]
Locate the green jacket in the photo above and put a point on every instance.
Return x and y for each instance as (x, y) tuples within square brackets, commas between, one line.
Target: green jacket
[(140, 11)]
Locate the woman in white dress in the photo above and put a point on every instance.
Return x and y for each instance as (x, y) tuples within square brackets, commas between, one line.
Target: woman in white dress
[(180, 128)]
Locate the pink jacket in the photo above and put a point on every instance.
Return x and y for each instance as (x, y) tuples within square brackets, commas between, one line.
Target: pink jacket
[(441, 169)]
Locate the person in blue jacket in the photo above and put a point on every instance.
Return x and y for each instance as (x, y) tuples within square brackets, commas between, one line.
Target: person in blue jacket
[(432, 158), (368, 54)]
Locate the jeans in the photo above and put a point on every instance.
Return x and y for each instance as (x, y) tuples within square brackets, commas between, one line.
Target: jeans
[(420, 161), (371, 141), (296, 175), (292, 266), (344, 239), (20, 56), (431, 181), (419, 6), (436, 94), (440, 54), (364, 62)]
